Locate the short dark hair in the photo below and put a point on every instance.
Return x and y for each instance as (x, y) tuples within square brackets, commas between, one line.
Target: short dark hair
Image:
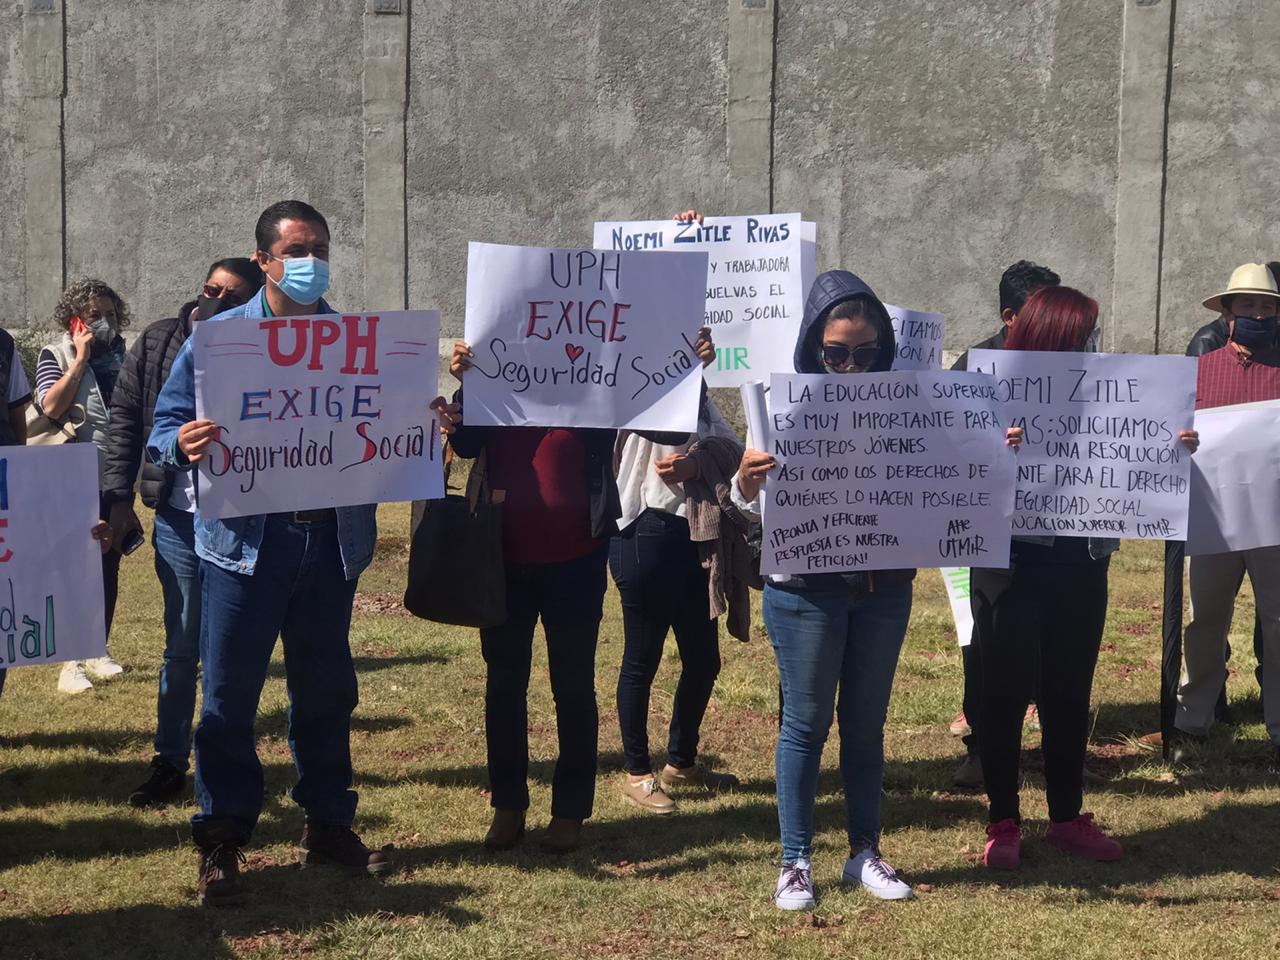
[(1021, 280), (242, 267), (267, 231)]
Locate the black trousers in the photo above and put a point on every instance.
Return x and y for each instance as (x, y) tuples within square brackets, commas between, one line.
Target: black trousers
[(1037, 628), (663, 588), (569, 599)]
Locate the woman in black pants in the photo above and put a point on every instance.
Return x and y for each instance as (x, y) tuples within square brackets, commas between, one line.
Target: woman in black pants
[(664, 587), (1044, 614)]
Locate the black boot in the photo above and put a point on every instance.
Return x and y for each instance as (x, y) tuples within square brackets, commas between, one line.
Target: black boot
[(165, 785), (338, 846)]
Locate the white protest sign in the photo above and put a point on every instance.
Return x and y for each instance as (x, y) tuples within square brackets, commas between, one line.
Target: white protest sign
[(919, 338), (1235, 479), (886, 470), (51, 605), (754, 284), (1101, 455), (583, 338), (957, 580), (324, 411)]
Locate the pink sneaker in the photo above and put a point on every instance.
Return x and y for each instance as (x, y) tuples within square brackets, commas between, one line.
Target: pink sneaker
[(1081, 838), (1004, 844)]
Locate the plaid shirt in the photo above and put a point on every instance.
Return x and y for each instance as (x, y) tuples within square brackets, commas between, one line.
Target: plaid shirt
[(1227, 377)]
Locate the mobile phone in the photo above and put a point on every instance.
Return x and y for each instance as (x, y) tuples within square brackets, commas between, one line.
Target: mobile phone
[(132, 542)]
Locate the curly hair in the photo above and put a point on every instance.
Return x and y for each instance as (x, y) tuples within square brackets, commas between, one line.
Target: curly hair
[(76, 298)]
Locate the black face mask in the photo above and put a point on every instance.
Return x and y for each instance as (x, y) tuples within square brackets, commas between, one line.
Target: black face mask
[(207, 307)]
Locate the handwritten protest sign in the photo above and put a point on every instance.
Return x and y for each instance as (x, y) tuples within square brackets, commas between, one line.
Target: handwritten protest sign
[(886, 470), (1235, 479), (919, 338), (317, 412), (1101, 455), (50, 567), (956, 580), (754, 284), (583, 338)]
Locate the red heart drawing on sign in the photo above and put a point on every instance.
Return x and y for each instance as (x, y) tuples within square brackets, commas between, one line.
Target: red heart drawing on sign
[(573, 351)]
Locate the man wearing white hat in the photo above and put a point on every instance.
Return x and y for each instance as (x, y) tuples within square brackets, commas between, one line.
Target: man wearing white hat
[(1246, 370)]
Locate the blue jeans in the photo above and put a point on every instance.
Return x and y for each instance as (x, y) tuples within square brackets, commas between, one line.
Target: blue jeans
[(299, 593), (178, 568), (821, 641)]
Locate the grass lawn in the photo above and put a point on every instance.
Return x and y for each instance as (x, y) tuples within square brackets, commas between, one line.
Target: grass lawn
[(83, 875)]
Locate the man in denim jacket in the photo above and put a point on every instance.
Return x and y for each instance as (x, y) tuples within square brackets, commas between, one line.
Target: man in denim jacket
[(291, 575)]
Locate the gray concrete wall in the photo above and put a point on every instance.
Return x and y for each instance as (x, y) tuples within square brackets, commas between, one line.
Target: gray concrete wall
[(933, 142), (13, 294), (529, 121), (1224, 156), (937, 143)]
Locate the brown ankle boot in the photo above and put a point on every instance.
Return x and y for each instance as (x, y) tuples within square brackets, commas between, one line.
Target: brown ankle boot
[(219, 884), (562, 835), (333, 845), (506, 830)]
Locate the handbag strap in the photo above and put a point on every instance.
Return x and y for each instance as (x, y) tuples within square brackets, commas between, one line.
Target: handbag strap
[(478, 490)]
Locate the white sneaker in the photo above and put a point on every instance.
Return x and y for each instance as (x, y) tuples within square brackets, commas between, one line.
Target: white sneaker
[(103, 668), (795, 887), (72, 678), (869, 869)]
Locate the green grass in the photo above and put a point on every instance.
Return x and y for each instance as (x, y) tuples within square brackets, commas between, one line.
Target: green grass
[(82, 875)]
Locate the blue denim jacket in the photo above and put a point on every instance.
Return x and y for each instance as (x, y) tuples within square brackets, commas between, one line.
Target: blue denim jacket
[(232, 544)]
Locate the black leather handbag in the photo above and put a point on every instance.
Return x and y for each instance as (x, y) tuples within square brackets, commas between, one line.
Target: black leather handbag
[(456, 572)]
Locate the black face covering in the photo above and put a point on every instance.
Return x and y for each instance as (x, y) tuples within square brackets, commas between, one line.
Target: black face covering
[(207, 307)]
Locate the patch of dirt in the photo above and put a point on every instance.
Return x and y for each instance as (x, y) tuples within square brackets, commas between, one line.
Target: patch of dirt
[(380, 605), (283, 942)]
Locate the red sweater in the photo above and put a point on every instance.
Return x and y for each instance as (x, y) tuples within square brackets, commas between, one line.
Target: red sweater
[(546, 516)]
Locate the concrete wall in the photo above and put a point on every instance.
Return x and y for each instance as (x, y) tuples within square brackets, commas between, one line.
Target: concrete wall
[(933, 142), (937, 143), (1224, 155), (529, 121)]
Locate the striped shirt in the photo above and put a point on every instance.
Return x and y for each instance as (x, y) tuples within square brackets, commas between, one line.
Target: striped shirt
[(47, 373), (1227, 377)]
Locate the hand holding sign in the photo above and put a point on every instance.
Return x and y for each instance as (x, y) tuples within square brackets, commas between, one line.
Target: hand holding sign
[(582, 338)]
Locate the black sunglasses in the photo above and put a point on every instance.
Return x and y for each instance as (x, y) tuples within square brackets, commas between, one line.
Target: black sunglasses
[(838, 355)]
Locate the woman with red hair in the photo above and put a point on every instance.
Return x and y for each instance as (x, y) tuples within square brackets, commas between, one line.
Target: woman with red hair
[(1043, 618)]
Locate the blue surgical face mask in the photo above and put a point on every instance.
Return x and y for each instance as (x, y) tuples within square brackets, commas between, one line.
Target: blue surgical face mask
[(305, 278)]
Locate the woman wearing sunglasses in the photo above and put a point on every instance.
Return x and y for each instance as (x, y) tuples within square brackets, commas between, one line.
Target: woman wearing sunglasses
[(836, 631)]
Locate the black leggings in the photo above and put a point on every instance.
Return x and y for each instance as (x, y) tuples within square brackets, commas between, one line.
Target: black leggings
[(663, 588), (1038, 621)]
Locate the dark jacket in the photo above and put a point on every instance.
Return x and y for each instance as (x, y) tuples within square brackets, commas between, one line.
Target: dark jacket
[(991, 343), (1210, 337), (133, 403), (602, 487), (8, 350), (832, 288)]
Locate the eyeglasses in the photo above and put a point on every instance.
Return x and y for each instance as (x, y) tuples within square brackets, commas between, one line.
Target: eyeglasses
[(837, 355)]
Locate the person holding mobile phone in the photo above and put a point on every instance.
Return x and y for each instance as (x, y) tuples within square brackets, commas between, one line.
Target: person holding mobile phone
[(75, 377), (229, 283)]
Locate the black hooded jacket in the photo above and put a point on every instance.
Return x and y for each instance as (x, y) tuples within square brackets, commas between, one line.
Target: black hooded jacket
[(830, 289), (133, 404)]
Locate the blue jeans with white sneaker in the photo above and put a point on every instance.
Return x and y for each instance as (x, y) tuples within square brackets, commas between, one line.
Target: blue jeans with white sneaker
[(824, 641)]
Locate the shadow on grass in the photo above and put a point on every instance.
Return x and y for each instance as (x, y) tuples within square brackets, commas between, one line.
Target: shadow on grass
[(370, 664), (1229, 837), (288, 914)]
